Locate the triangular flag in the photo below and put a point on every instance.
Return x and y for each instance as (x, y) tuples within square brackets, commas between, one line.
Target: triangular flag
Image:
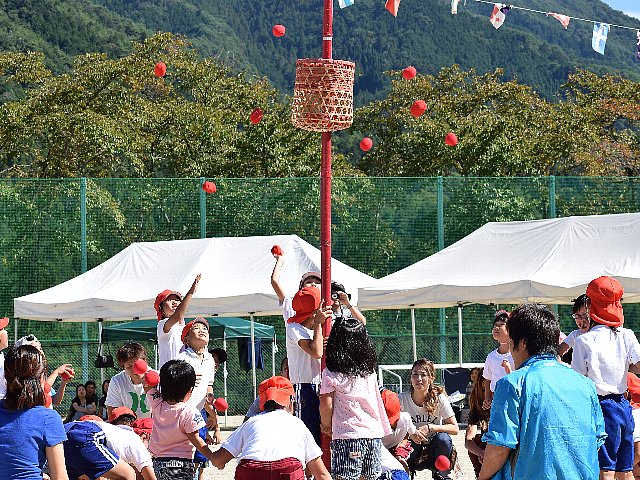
[(599, 39), (392, 6), (499, 14), (563, 19), (345, 3)]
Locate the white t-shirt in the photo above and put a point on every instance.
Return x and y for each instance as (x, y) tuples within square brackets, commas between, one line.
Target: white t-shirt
[(571, 338), (404, 427), (287, 309), (205, 371), (303, 368), (604, 356), (127, 444), (389, 462), (170, 343), (3, 381), (420, 416), (272, 436), (493, 369), (123, 392)]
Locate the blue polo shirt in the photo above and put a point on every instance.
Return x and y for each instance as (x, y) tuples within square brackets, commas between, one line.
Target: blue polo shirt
[(550, 417)]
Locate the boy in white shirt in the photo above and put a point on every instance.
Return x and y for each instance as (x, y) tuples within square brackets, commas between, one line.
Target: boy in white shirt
[(499, 362), (126, 388), (171, 309)]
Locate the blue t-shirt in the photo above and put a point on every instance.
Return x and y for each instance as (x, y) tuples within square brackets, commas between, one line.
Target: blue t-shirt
[(24, 434), (550, 417)]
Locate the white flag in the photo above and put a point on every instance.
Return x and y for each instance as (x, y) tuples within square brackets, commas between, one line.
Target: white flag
[(345, 3), (498, 15)]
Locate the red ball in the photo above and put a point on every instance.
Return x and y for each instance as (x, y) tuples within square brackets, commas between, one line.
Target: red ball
[(140, 367), (442, 463), (366, 144), (276, 250), (256, 116), (67, 374), (160, 69), (409, 72), (152, 378), (418, 108), (220, 404), (451, 139), (209, 187), (278, 30)]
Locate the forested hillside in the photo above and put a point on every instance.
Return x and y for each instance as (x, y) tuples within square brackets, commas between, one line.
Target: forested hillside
[(531, 47)]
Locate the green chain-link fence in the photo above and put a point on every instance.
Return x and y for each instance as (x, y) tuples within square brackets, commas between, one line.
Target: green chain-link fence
[(53, 230)]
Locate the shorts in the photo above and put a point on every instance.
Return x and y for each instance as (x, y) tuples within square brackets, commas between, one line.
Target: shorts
[(86, 452), (394, 475), (616, 455), (353, 458), (285, 469), (167, 468)]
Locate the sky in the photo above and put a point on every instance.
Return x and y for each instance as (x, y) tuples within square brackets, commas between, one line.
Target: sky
[(630, 7)]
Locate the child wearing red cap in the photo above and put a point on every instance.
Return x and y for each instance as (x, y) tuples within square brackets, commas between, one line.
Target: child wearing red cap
[(274, 444), (126, 388), (171, 308), (604, 354)]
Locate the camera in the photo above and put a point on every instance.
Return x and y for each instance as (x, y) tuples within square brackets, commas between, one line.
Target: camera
[(336, 288)]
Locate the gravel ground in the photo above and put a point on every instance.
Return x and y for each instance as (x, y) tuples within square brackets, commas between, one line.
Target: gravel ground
[(465, 473)]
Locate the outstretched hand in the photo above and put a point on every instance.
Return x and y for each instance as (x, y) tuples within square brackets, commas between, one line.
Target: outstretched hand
[(194, 286)]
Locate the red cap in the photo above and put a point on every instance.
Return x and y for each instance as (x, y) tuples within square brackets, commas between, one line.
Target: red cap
[(187, 328), (142, 425), (93, 418), (305, 302), (605, 294), (119, 411), (4, 321), (161, 297), (278, 389), (391, 405)]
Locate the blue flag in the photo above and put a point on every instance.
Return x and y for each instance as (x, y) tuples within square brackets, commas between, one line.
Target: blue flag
[(599, 40), (345, 3)]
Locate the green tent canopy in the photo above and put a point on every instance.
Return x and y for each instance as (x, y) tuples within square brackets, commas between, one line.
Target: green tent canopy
[(219, 328)]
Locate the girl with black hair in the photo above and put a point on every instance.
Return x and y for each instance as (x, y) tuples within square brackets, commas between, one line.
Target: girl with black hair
[(351, 409), (30, 433), (478, 423)]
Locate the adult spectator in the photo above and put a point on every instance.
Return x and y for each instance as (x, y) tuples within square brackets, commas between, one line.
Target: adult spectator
[(92, 396), (80, 405), (102, 408), (545, 417)]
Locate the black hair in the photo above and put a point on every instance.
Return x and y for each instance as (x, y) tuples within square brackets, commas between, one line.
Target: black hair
[(107, 381), (501, 316), (272, 405), (177, 378), (580, 302), (89, 382), (537, 325), (25, 369), (125, 419), (349, 349), (130, 351)]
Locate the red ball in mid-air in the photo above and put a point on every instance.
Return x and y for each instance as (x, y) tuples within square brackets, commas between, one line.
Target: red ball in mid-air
[(256, 116), (409, 72), (418, 108), (366, 144), (276, 250), (209, 187), (140, 367), (451, 139), (220, 404), (160, 69), (278, 30), (442, 463), (152, 378)]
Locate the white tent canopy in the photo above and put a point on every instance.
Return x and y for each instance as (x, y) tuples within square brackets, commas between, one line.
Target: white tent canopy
[(235, 280), (549, 261)]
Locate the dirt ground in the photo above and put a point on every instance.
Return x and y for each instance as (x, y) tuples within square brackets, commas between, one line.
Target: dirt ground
[(465, 472)]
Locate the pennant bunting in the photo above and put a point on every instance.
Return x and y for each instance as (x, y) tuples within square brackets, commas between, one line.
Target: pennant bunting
[(392, 6), (563, 19), (345, 3), (454, 6), (499, 14), (638, 52), (599, 39)]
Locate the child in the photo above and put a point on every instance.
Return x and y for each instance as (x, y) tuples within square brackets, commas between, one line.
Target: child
[(174, 437), (401, 427), (4, 343), (273, 445), (475, 374), (351, 409), (604, 354), (478, 423), (499, 362), (581, 317), (30, 433), (171, 309), (126, 387), (254, 408)]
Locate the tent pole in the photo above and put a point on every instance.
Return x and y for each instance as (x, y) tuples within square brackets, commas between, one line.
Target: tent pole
[(224, 373), (253, 358), (273, 356), (155, 354), (99, 345), (460, 333), (413, 334), (15, 330)]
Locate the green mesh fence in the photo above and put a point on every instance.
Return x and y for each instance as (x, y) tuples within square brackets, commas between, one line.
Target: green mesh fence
[(53, 230)]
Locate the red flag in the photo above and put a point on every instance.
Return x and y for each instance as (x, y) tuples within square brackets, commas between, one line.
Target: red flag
[(392, 6), (563, 19)]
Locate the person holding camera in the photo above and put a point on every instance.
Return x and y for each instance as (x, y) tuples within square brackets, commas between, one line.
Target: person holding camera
[(342, 306)]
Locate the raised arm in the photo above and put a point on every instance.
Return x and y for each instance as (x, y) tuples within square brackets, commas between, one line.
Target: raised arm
[(275, 277), (181, 311)]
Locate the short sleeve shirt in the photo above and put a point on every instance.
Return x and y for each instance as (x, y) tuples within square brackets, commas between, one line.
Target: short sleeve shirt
[(571, 338), (303, 368), (170, 343), (122, 392), (420, 416), (493, 369)]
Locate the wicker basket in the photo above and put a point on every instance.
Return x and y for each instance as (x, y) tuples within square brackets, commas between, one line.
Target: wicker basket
[(323, 95)]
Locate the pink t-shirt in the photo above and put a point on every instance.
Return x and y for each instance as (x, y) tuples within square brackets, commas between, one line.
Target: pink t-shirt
[(358, 411), (171, 423)]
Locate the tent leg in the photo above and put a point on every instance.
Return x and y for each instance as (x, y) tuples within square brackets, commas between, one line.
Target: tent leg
[(413, 334), (155, 354), (15, 331), (460, 334), (99, 345), (224, 375), (253, 359)]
